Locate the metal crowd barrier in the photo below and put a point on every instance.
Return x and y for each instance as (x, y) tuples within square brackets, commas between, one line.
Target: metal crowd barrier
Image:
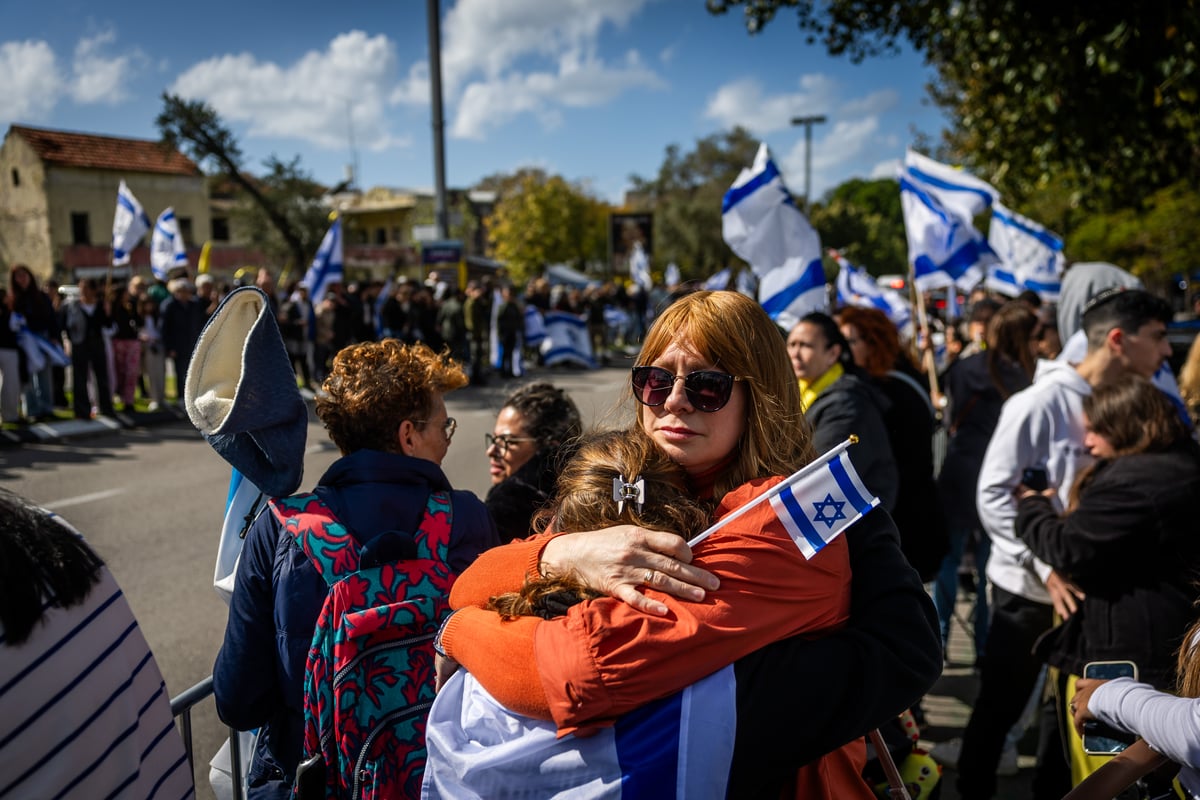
[(181, 709)]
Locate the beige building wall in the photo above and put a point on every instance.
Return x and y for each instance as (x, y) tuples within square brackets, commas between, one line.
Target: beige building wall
[(24, 219)]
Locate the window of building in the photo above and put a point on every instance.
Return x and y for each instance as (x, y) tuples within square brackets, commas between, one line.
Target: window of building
[(79, 228), (16, 176), (220, 229), (381, 236), (396, 234), (185, 229)]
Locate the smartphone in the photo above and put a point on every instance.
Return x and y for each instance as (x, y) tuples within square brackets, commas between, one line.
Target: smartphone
[(1035, 478), (310, 779), (1100, 739)]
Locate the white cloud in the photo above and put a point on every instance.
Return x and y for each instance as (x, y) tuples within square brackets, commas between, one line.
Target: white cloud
[(502, 60), (875, 103), (742, 102), (414, 89), (322, 98), (100, 78), (30, 84), (885, 169)]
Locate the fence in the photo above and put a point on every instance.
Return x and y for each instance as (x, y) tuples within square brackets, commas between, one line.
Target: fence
[(181, 708)]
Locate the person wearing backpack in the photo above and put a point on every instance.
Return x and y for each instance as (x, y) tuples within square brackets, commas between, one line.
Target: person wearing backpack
[(383, 406)]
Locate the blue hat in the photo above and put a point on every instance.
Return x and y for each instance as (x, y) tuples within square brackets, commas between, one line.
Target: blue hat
[(241, 393)]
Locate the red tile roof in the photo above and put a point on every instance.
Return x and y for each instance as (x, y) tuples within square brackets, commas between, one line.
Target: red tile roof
[(70, 149)]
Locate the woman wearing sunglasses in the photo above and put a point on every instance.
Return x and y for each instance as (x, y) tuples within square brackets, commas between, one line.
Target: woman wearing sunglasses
[(716, 394)]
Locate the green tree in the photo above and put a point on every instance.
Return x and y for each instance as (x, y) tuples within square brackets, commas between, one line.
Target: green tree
[(296, 197), (685, 197), (195, 127), (1103, 95), (863, 220), (542, 220)]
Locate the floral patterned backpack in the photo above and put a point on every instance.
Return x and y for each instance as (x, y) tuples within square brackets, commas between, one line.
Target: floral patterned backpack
[(369, 680)]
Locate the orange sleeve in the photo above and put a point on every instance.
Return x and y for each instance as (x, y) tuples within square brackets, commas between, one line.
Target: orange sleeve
[(499, 653), (605, 658), (499, 570)]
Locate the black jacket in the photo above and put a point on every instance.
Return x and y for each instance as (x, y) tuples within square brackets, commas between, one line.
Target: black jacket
[(1131, 546), (513, 502), (853, 405), (800, 698)]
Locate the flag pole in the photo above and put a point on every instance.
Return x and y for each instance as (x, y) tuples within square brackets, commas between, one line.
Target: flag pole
[(923, 325), (797, 476)]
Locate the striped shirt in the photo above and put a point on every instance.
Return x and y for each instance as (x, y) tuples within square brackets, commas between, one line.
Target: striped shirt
[(84, 711)]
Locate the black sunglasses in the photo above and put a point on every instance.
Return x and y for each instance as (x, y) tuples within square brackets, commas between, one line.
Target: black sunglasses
[(707, 390)]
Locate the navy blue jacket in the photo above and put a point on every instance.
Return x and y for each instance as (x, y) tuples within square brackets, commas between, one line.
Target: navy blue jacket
[(258, 679)]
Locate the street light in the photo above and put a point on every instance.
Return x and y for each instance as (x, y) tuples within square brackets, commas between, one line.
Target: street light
[(808, 123)]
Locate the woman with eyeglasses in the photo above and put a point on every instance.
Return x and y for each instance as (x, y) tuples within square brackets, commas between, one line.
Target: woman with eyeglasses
[(716, 394), (533, 435), (383, 405)]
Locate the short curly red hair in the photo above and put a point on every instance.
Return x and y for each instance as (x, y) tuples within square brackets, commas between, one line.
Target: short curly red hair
[(878, 333), (374, 386)]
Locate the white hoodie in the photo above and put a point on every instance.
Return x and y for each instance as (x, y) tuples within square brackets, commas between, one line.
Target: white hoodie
[(1039, 427)]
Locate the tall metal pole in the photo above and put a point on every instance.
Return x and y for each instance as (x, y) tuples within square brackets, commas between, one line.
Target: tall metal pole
[(441, 218), (808, 123)]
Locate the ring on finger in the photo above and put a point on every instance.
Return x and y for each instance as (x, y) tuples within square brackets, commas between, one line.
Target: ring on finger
[(649, 579), (1072, 707)]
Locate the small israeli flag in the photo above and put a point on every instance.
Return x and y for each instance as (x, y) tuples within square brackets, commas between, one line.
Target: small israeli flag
[(326, 267), (1031, 257), (855, 287), (671, 277), (167, 249), (535, 326), (747, 284), (566, 340), (639, 267), (130, 224), (761, 223), (939, 204), (719, 281), (815, 504)]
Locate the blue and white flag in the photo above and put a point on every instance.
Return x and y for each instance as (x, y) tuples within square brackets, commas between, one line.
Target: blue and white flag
[(385, 292), (855, 287), (326, 267), (671, 277), (1030, 256), (719, 281), (747, 284), (130, 224), (639, 267), (761, 223), (167, 249), (535, 326), (678, 747), (940, 204), (566, 341), (815, 504)]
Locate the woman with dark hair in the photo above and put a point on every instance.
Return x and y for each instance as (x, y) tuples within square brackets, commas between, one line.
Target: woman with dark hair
[(531, 440), (83, 706), (976, 387), (875, 345), (839, 399), (1128, 541), (37, 313)]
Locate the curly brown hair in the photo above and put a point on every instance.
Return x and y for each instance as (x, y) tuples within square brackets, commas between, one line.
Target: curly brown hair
[(374, 386), (584, 501), (878, 333)]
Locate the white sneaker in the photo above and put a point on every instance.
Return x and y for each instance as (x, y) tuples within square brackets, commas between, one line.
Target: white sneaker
[(947, 753)]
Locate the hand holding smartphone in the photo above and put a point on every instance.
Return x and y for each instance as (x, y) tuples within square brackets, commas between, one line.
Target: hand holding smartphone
[(1100, 739), (1035, 478)]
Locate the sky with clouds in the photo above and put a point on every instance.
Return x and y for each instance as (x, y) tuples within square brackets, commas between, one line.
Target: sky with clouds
[(594, 90)]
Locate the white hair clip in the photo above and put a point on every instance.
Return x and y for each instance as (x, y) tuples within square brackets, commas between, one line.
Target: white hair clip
[(624, 491)]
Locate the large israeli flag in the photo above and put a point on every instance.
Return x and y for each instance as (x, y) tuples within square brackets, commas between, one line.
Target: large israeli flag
[(1031, 257), (940, 204), (566, 341), (326, 267), (855, 287), (167, 249), (678, 747), (130, 224), (639, 267), (535, 326), (747, 284), (761, 223)]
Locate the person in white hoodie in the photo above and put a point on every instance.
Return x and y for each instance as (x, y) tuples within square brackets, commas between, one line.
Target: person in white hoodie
[(1041, 431)]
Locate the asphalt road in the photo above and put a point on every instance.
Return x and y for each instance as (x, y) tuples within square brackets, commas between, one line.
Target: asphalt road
[(151, 503)]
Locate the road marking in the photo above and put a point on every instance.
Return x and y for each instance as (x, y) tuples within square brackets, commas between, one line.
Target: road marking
[(83, 498)]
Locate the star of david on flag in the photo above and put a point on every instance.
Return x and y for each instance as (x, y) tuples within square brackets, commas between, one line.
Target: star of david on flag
[(816, 503)]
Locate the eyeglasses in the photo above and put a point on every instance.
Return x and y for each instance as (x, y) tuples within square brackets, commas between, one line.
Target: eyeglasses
[(448, 427), (502, 443), (707, 390)]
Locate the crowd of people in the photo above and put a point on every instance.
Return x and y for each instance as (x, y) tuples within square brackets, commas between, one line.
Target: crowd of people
[(1045, 461)]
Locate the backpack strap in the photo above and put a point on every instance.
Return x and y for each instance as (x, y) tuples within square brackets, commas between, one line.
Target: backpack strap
[(326, 541), (433, 531)]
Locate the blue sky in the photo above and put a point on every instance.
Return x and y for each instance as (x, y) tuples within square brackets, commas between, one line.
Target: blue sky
[(594, 90)]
